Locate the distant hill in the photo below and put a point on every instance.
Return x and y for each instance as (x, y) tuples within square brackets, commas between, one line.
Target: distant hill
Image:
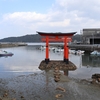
[(26, 38), (33, 38)]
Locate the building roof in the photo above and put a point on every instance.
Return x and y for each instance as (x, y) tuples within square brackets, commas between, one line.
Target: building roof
[(56, 33), (91, 29)]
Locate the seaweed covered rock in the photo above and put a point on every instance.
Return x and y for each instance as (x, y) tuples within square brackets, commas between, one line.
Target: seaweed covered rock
[(61, 65)]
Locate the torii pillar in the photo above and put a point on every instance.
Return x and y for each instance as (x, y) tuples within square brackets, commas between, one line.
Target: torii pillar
[(57, 37)]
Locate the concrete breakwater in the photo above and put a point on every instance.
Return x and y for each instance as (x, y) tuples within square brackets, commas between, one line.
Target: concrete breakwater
[(85, 47), (4, 45)]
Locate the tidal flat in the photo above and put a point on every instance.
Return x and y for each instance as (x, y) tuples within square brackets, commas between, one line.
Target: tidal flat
[(41, 86)]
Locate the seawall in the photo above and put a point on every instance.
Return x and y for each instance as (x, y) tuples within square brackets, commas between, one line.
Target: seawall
[(4, 45), (85, 47)]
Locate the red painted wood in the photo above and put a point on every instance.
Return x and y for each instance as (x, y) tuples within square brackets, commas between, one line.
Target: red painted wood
[(65, 44), (47, 47), (57, 37)]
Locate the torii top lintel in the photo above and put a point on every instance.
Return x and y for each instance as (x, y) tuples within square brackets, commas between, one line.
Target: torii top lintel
[(56, 34)]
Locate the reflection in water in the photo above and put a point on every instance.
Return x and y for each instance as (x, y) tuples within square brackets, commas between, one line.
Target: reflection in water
[(92, 61)]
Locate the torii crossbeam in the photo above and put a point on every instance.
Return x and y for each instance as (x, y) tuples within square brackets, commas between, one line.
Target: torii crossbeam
[(57, 37)]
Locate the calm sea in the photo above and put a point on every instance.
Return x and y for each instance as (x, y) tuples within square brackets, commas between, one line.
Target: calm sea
[(26, 60)]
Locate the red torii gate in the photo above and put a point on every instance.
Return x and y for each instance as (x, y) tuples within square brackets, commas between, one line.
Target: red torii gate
[(60, 37)]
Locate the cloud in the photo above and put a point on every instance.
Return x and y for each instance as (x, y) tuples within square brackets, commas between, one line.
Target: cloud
[(85, 8), (60, 23), (24, 16), (63, 16), (81, 12), (33, 20)]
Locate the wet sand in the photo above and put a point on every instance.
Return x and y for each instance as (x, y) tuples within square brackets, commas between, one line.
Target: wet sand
[(41, 86)]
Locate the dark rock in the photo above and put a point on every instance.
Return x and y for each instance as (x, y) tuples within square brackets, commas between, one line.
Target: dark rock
[(61, 65), (95, 77)]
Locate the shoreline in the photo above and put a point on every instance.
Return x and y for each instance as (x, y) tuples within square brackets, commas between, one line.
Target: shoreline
[(85, 47), (4, 45)]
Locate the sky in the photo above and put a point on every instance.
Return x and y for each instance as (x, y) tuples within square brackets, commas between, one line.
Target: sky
[(23, 17)]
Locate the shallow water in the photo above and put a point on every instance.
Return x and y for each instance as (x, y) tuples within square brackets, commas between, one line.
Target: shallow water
[(26, 60), (20, 76)]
